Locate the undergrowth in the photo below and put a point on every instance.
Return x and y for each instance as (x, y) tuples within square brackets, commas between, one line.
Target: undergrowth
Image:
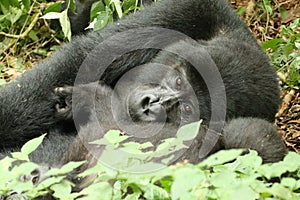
[(224, 175)]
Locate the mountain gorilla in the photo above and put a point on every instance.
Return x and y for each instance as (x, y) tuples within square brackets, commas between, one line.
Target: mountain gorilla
[(217, 38)]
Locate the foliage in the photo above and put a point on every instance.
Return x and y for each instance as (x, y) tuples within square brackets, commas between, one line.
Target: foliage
[(15, 170), (224, 175), (104, 12), (285, 50), (25, 37), (26, 34), (285, 53), (263, 17)]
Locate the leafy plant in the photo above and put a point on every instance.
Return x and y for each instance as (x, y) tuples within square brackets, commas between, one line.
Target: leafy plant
[(104, 12), (54, 12), (225, 175), (15, 170), (24, 35), (285, 53)]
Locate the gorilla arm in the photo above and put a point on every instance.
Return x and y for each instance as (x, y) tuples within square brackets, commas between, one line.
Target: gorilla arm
[(256, 134)]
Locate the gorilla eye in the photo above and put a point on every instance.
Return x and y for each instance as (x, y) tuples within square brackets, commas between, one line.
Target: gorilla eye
[(179, 83), (187, 108)]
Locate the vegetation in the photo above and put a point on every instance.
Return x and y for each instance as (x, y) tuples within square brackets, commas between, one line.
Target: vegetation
[(224, 175), (27, 36)]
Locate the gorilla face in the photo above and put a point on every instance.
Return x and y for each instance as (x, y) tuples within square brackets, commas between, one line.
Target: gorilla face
[(165, 97)]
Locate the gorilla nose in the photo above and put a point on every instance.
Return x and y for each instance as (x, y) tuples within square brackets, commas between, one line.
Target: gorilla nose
[(148, 100), (153, 108)]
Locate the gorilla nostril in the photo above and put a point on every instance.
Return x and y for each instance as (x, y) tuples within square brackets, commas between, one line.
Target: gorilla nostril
[(147, 111), (145, 102), (148, 100)]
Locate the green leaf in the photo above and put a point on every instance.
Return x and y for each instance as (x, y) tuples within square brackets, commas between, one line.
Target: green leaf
[(221, 157), (17, 13), (69, 167), (26, 4), (96, 8), (241, 10), (24, 168), (135, 148), (32, 145), (295, 24), (52, 15), (283, 12), (189, 131), (129, 5), (50, 181), (72, 6), (20, 187), (290, 163), (223, 177), (101, 20), (154, 192), (56, 8), (244, 191), (15, 3), (92, 191), (118, 7), (104, 173), (297, 45), (61, 190), (117, 190), (247, 164), (20, 156), (166, 144), (288, 49), (185, 181), (32, 35), (291, 183), (112, 137), (280, 191), (65, 24), (134, 196), (268, 7), (4, 6), (41, 51), (272, 44)]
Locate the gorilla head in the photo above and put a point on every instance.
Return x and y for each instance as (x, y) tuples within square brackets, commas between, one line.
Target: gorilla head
[(161, 93)]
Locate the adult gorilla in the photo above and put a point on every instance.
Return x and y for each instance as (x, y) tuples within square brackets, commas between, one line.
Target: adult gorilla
[(28, 104)]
